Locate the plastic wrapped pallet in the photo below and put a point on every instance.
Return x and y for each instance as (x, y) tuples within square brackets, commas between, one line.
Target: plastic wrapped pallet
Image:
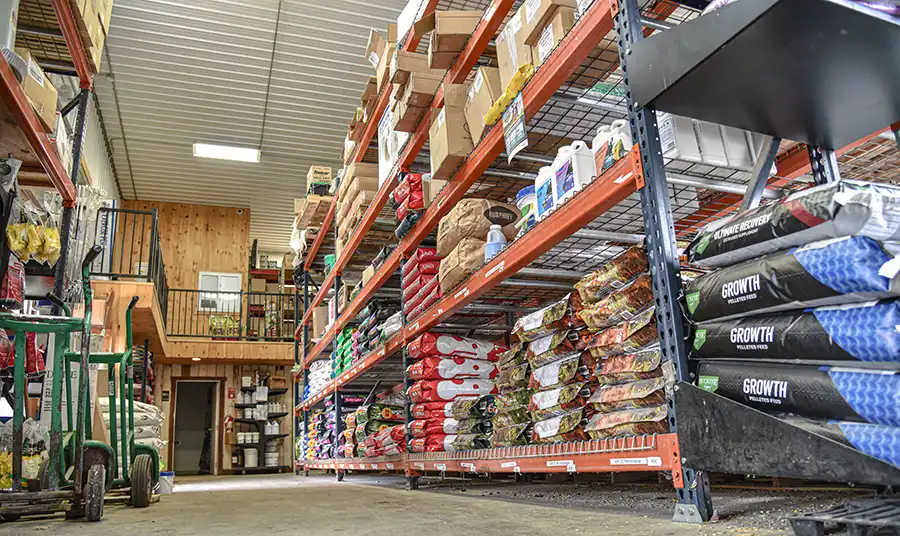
[(835, 210), (830, 272)]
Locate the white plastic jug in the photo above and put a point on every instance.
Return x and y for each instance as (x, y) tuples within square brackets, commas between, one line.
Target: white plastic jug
[(604, 133), (712, 148), (543, 190), (677, 137), (577, 169), (619, 144), (496, 241)]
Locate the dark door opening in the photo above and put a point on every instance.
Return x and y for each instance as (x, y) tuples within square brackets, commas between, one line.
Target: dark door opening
[(195, 403)]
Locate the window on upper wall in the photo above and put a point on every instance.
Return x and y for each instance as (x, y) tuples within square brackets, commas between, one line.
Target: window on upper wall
[(219, 292)]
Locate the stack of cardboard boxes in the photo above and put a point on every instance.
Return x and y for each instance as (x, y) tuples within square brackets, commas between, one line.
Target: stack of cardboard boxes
[(449, 139), (531, 34), (415, 85), (93, 26), (358, 187)]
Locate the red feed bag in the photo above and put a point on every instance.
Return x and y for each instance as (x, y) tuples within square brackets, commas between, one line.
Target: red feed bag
[(430, 410), (412, 182), (411, 287), (436, 368), (433, 443), (437, 390), (439, 345), (390, 436), (421, 255)]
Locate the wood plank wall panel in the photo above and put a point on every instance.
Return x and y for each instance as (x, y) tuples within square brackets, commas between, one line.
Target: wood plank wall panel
[(232, 374), (200, 238)]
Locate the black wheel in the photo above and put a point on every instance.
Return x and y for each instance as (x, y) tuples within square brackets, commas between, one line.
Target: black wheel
[(9, 518), (94, 492), (43, 475), (142, 481)]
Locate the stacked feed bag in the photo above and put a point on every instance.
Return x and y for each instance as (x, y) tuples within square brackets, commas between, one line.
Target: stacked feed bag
[(421, 288), (346, 442), (511, 424), (450, 372), (811, 280), (147, 422), (372, 419), (342, 357), (372, 319), (316, 430), (318, 378), (613, 327)]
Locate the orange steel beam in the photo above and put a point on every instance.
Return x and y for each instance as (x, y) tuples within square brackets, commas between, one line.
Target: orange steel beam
[(791, 164), (575, 47), (18, 108), (620, 181), (66, 19)]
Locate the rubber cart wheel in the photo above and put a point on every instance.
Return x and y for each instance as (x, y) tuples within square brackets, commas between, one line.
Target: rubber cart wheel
[(142, 481), (94, 492), (43, 475)]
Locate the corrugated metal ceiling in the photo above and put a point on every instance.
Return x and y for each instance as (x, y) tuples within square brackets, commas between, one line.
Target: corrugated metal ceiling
[(183, 72)]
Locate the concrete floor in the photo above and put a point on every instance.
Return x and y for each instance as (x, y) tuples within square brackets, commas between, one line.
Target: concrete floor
[(257, 506)]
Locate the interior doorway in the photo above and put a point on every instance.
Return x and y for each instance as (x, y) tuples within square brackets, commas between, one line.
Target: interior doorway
[(195, 441)]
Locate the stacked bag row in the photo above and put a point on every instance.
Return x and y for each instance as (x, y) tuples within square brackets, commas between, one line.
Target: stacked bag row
[(374, 318), (379, 428), (811, 280), (342, 358), (413, 194), (419, 280), (318, 377), (454, 378), (347, 442)]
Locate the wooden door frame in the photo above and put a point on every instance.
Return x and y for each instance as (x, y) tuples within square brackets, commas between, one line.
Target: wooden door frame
[(220, 381)]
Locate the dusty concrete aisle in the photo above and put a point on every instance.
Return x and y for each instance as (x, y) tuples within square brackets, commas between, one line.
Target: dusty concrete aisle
[(245, 506)]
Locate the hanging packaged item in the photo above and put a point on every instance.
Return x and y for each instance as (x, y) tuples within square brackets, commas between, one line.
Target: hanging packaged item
[(436, 368), (559, 429), (619, 306), (863, 332), (512, 357), (440, 345), (636, 394), (546, 404), (437, 390), (566, 370), (626, 337), (629, 422), (512, 378), (830, 272), (12, 289), (613, 275), (510, 418), (630, 367), (549, 319), (513, 400), (818, 392), (834, 210)]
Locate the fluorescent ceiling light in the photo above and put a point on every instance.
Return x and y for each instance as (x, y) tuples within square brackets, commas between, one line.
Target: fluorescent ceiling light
[(195, 359), (226, 152)]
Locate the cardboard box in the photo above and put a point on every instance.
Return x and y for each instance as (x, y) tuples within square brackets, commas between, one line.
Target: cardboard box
[(403, 63), (39, 91), (512, 52), (406, 118), (273, 288), (257, 285), (104, 13), (485, 90), (375, 48), (356, 183), (536, 14), (321, 174), (430, 189), (465, 258), (450, 31), (368, 274), (384, 66), (277, 381), (556, 29), (421, 88), (473, 218), (319, 321), (449, 140)]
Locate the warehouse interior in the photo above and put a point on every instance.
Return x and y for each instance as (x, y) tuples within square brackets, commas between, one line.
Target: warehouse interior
[(600, 266)]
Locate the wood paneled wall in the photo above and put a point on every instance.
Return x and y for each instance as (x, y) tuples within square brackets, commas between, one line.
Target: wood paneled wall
[(200, 238), (232, 375)]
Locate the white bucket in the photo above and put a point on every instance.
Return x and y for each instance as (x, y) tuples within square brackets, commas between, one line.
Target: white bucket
[(251, 458), (166, 482)]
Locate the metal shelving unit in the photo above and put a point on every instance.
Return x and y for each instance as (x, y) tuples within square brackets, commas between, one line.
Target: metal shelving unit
[(588, 80)]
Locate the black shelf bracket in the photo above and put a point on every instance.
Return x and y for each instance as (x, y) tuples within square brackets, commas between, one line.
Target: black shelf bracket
[(694, 502)]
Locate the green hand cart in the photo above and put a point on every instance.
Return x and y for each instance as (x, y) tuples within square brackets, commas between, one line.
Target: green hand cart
[(70, 480)]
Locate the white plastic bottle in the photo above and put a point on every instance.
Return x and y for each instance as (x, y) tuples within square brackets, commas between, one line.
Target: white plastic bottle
[(560, 167), (543, 190), (576, 170), (737, 148), (604, 133), (496, 241), (620, 143), (712, 149), (677, 137)]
